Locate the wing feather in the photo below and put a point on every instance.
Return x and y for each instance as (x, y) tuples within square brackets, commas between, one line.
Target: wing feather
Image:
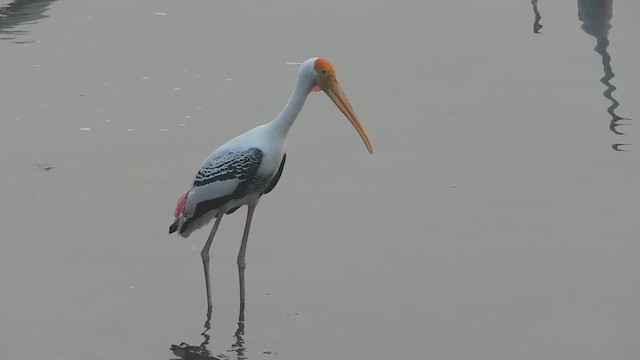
[(232, 165), (220, 179)]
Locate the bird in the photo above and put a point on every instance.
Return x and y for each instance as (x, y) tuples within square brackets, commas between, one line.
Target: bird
[(248, 166)]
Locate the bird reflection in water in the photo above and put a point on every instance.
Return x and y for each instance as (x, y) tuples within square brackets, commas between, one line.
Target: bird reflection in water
[(595, 16), (21, 12), (193, 352), (185, 351)]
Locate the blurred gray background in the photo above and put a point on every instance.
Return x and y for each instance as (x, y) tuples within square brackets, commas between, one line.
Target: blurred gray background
[(498, 217)]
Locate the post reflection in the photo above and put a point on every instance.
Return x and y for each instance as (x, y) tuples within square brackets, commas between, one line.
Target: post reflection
[(21, 12), (536, 20), (596, 16)]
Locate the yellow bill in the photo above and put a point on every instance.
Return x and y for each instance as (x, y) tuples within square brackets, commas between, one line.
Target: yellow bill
[(337, 95)]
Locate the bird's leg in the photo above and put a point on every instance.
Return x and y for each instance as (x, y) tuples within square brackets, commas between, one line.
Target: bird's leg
[(205, 263), (241, 262)]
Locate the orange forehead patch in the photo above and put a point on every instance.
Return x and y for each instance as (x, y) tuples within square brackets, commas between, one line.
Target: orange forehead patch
[(323, 64)]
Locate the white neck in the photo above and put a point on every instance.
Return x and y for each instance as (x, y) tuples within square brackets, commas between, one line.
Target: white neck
[(282, 123)]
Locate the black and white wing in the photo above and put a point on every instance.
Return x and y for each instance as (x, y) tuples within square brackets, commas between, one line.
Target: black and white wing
[(234, 165), (220, 179)]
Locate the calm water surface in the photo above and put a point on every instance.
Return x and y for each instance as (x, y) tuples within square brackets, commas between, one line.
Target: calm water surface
[(497, 218)]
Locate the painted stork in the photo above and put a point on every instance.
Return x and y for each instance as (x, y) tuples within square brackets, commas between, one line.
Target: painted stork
[(245, 168)]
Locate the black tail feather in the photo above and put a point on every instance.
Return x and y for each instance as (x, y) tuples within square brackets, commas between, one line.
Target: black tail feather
[(174, 227)]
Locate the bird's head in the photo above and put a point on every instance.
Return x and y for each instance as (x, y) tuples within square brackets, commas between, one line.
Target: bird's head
[(323, 77)]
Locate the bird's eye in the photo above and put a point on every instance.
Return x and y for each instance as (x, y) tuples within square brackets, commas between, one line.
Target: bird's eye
[(324, 71)]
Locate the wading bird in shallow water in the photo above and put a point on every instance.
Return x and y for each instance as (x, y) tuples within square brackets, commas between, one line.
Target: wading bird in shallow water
[(245, 168)]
